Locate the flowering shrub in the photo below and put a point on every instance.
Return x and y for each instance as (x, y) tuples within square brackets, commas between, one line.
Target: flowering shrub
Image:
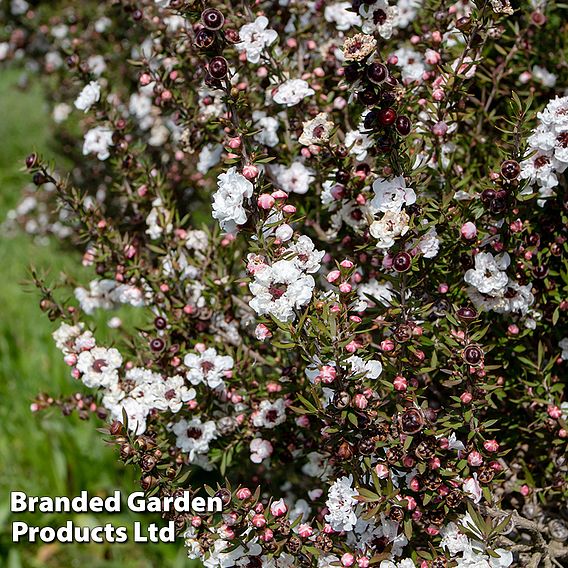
[(346, 226)]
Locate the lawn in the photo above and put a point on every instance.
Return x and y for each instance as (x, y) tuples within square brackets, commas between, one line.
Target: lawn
[(47, 454)]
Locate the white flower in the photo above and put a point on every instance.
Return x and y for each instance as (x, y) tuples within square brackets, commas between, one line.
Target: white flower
[(90, 94), (411, 63), (563, 344), (317, 466), (453, 540), (502, 7), (340, 14), (405, 563), (358, 143), (293, 179), (61, 112), (379, 17), (341, 504), (159, 220), (549, 142), (472, 488), (391, 225), (371, 369), (407, 10), (454, 443), (99, 366), (97, 64), (260, 450), (97, 141), (209, 156), (291, 92), (269, 414), (194, 436), (255, 38), (268, 128), (489, 276), (543, 76), (208, 368), (316, 131), (381, 292), (140, 106), (429, 244), (280, 289), (391, 195), (307, 258), (228, 208)]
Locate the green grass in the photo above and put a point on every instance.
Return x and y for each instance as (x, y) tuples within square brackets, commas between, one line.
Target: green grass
[(47, 454)]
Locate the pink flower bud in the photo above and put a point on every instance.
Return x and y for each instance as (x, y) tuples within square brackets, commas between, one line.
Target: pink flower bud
[(284, 232), (361, 401), (434, 463), (70, 359), (279, 194), (345, 288), (258, 521), (196, 521), (438, 95), (289, 209), (554, 412), (338, 192), (303, 421), (333, 276), (305, 531), (400, 383), (348, 559), (266, 201), (387, 345), (267, 535), (466, 397), (516, 226), (352, 346), (244, 493), (411, 503), (262, 332), (475, 459), (439, 129), (363, 562), (278, 508), (250, 171), (145, 79), (432, 57), (234, 143), (525, 490), (226, 532), (433, 531), (491, 445), (382, 471), (468, 231), (346, 264), (414, 484), (327, 374)]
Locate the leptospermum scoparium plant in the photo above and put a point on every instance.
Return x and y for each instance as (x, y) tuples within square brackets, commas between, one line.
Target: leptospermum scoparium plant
[(346, 226)]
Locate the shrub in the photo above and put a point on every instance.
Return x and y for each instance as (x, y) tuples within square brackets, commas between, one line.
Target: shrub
[(346, 227)]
